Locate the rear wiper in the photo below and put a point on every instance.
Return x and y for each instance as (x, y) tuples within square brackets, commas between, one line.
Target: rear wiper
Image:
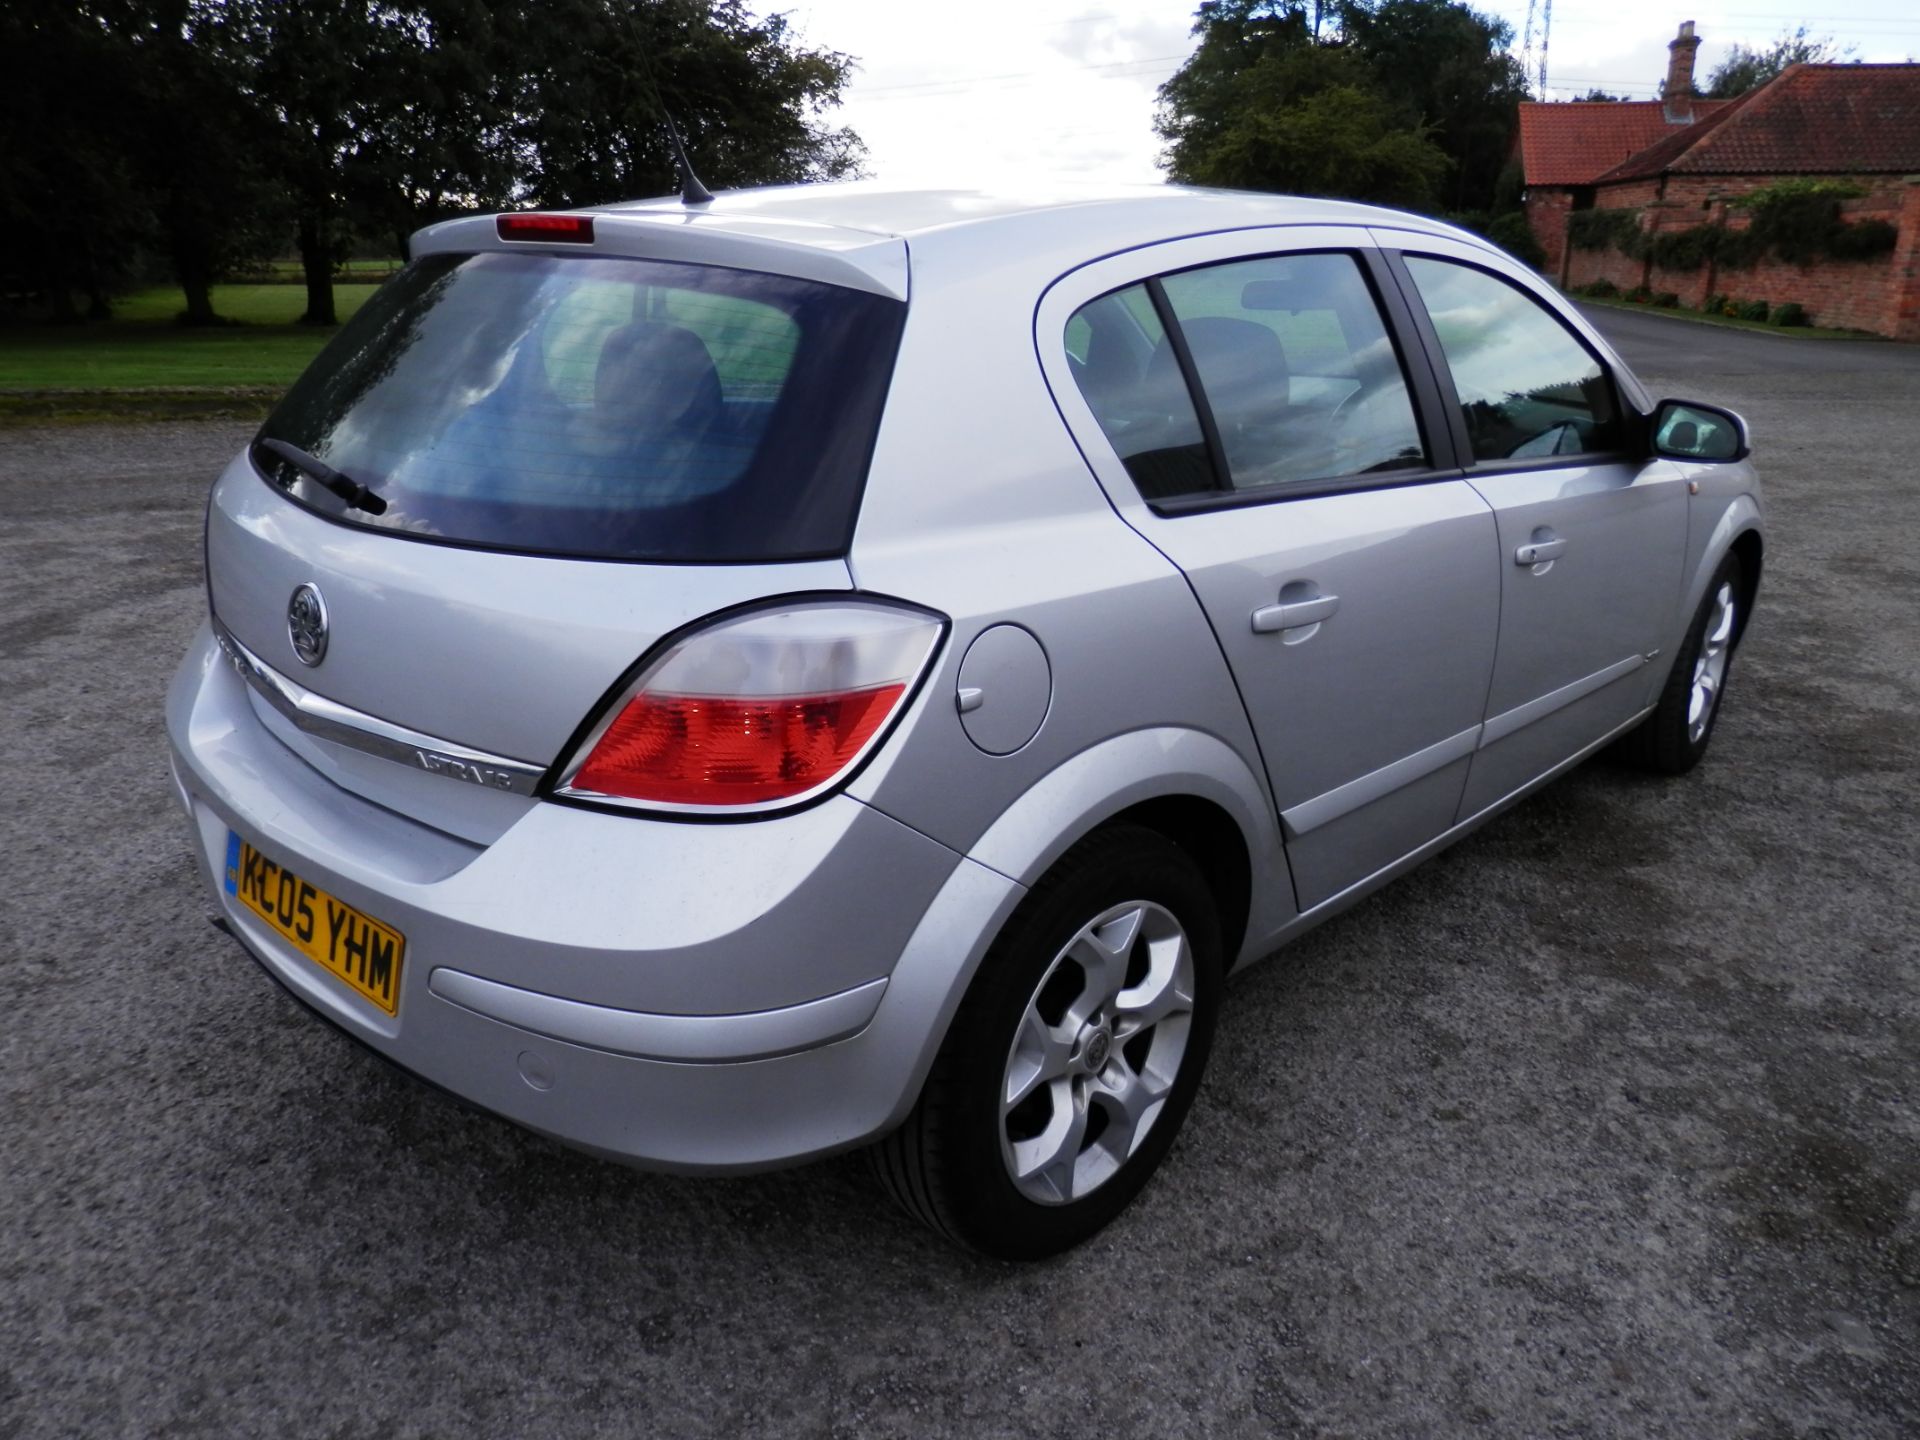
[(352, 491)]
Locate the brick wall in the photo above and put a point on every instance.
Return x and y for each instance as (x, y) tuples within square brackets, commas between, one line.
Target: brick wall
[(1881, 295), (1546, 211)]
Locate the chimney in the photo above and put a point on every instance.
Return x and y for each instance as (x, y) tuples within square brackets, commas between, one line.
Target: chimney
[(1677, 93)]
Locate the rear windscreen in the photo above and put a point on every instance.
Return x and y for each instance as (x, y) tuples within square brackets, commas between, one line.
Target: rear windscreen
[(619, 409)]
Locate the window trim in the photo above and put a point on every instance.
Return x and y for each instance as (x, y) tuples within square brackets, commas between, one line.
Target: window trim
[(1394, 260), (1196, 392), (1416, 369)]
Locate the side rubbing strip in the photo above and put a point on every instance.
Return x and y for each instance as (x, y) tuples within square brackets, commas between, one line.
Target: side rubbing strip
[(688, 1039), (1521, 716), (1376, 784)]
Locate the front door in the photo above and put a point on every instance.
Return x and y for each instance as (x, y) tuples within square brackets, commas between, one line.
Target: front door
[(1592, 538), (1262, 410)]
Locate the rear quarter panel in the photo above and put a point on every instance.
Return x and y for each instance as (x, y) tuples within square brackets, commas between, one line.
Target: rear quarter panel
[(980, 505)]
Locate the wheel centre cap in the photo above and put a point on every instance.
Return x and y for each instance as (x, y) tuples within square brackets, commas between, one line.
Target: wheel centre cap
[(1094, 1052)]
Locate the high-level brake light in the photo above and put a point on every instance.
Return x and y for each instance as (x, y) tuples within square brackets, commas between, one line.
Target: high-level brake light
[(568, 229)]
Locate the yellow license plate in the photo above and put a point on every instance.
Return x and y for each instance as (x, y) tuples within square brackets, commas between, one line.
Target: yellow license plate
[(347, 944)]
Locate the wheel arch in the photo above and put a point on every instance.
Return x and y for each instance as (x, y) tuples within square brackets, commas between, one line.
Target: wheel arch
[(1208, 833), (1750, 550), (1191, 787)]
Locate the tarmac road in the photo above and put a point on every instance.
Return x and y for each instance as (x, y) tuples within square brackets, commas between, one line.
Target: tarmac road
[(1603, 1123)]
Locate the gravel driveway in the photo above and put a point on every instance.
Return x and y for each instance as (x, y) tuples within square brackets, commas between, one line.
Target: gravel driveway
[(1603, 1123)]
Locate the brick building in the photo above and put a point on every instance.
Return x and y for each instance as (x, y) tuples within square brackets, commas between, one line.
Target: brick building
[(1857, 124), (1565, 147)]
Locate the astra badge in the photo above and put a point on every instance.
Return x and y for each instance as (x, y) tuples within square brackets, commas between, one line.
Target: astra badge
[(307, 625)]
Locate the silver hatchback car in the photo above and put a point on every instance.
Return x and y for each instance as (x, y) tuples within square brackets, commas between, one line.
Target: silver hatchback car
[(841, 666)]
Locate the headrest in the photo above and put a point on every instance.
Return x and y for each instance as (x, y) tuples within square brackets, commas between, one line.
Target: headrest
[(1242, 364), (655, 375)]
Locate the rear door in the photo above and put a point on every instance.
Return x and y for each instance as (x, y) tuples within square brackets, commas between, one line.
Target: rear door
[(1592, 536), (1248, 410)]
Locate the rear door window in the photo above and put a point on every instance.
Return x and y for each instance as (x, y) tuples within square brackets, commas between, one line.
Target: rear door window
[(1296, 364), (626, 409), (1130, 378), (1291, 357)]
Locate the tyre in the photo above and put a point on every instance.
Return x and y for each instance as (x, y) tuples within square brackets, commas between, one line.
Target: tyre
[(1074, 1056), (1672, 739)]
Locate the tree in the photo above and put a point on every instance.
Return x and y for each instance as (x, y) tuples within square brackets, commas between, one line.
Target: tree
[(1312, 122), (1747, 69), (590, 117), (73, 208), (1598, 94), (196, 143), (1410, 102), (1445, 67), (392, 113)]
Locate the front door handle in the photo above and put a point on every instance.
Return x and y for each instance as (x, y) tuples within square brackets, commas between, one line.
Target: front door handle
[(1539, 552), (1294, 614)]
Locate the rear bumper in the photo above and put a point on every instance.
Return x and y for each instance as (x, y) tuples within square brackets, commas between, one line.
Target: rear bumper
[(686, 997)]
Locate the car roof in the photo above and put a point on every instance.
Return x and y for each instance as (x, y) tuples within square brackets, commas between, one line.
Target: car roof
[(858, 232), (1078, 213)]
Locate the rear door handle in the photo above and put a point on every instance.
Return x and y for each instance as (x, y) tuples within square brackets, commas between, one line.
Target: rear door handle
[(1294, 615), (1539, 551)]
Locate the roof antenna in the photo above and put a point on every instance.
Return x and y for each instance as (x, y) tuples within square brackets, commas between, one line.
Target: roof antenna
[(692, 192)]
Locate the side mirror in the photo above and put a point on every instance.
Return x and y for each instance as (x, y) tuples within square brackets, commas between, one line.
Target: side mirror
[(1687, 430)]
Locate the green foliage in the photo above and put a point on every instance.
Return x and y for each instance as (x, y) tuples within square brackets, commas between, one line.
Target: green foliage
[(1598, 290), (1513, 234), (213, 131), (1862, 240), (1714, 304), (1639, 295), (1313, 124), (1789, 313), (1751, 310), (1509, 230), (1797, 220), (74, 215), (1695, 247), (1666, 300), (1747, 69), (1407, 102), (1603, 229)]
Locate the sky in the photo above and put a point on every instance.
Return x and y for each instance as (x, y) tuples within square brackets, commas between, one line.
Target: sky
[(1015, 91)]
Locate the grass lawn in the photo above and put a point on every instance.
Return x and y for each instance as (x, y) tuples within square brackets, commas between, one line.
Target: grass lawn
[(141, 347), (1794, 332)]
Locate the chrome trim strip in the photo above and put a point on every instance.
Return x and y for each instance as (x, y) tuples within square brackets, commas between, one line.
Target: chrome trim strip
[(329, 720), (1330, 805), (687, 1039), (1521, 716)]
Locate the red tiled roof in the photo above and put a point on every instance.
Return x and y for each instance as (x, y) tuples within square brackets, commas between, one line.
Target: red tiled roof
[(1811, 120), (1574, 142), (1660, 155)]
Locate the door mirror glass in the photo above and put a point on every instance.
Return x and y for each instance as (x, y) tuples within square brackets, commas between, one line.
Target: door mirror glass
[(1684, 430)]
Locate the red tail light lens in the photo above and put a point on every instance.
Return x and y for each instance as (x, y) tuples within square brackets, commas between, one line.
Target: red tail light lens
[(756, 712), (699, 749), (570, 229)]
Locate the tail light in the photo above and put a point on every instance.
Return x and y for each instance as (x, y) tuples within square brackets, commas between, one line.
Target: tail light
[(756, 712)]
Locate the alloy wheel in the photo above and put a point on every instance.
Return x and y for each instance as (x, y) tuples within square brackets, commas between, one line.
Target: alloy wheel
[(1710, 665), (1097, 1051)]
